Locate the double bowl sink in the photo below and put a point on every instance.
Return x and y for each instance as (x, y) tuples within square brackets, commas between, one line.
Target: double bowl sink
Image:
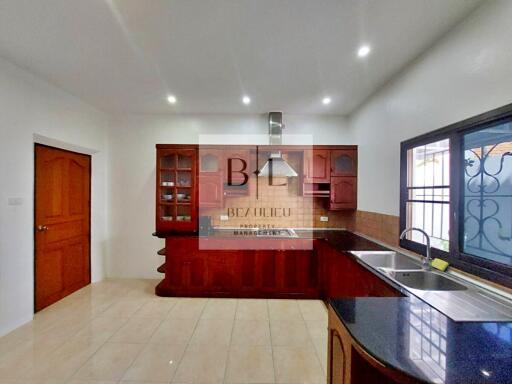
[(458, 300), (407, 272)]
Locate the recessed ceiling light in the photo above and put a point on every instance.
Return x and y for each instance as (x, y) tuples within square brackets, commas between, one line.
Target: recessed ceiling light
[(171, 99), (363, 51), (246, 100), (326, 100)]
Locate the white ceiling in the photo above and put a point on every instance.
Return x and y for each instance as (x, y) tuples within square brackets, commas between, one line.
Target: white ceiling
[(126, 55)]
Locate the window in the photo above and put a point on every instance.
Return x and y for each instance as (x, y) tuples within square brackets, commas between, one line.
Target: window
[(428, 192), (456, 185), (487, 194)]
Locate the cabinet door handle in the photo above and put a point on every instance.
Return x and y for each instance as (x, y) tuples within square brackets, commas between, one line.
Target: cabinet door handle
[(42, 228)]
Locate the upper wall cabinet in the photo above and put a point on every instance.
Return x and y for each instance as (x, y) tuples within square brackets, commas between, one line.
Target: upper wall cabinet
[(343, 193), (344, 162), (176, 206), (210, 160), (237, 171), (316, 166)]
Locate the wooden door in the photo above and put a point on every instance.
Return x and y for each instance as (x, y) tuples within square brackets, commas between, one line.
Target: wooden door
[(317, 166), (344, 162), (343, 193), (62, 224)]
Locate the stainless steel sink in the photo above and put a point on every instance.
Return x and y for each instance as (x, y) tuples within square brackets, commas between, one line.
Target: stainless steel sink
[(387, 260), (426, 281)]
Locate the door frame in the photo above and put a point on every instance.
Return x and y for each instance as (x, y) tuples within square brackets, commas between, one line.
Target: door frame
[(36, 145)]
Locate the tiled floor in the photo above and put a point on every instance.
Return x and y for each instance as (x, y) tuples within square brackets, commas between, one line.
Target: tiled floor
[(118, 331)]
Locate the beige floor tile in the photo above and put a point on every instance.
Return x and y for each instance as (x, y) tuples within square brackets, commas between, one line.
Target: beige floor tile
[(76, 381), (215, 332), (220, 309), (34, 381), (136, 330), (252, 309), (187, 308), (123, 308), (250, 364), (144, 333), (156, 308), (110, 362), (313, 310), (202, 364), (156, 363), (317, 329), (297, 365), (63, 362), (289, 333), (174, 331), (251, 332), (320, 345), (99, 329), (284, 310), (24, 355)]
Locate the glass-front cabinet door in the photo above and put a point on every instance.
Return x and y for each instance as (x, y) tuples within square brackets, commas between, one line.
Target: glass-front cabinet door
[(344, 162), (176, 176)]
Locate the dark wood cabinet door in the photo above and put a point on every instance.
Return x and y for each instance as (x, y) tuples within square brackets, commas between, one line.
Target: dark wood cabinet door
[(343, 193), (344, 162), (237, 170), (210, 190), (316, 166), (223, 271)]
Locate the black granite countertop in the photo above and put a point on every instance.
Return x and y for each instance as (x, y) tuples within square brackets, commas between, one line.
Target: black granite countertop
[(411, 336)]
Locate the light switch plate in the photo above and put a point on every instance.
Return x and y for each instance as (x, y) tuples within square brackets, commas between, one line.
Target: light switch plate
[(15, 201), (324, 218), (224, 217)]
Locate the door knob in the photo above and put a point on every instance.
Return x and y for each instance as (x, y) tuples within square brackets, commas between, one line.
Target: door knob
[(42, 228)]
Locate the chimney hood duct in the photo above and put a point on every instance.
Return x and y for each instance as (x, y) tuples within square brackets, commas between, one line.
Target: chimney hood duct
[(276, 163)]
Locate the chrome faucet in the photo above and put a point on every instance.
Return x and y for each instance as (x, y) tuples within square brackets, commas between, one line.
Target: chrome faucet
[(428, 257)]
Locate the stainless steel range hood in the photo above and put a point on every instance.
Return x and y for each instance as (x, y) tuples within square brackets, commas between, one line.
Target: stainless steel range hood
[(275, 164)]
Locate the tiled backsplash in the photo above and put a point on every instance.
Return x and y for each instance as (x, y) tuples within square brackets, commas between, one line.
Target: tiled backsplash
[(299, 211), (381, 227)]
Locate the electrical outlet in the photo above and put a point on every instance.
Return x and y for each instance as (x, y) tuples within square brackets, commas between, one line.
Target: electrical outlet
[(224, 217), (324, 218)]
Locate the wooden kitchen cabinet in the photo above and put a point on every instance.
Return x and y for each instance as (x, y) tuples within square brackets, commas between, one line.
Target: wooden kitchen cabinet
[(241, 161), (349, 363), (317, 168), (345, 277), (176, 188), (343, 193), (193, 270), (210, 190), (210, 160), (344, 162)]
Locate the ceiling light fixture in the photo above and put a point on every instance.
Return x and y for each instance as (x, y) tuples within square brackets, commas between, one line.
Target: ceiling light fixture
[(171, 99), (326, 100), (363, 51), (246, 100)]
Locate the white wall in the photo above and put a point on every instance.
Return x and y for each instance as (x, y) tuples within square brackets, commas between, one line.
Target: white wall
[(28, 107), (132, 251), (466, 73)]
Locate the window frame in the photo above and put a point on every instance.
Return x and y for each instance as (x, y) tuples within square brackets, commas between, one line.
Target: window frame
[(487, 269)]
